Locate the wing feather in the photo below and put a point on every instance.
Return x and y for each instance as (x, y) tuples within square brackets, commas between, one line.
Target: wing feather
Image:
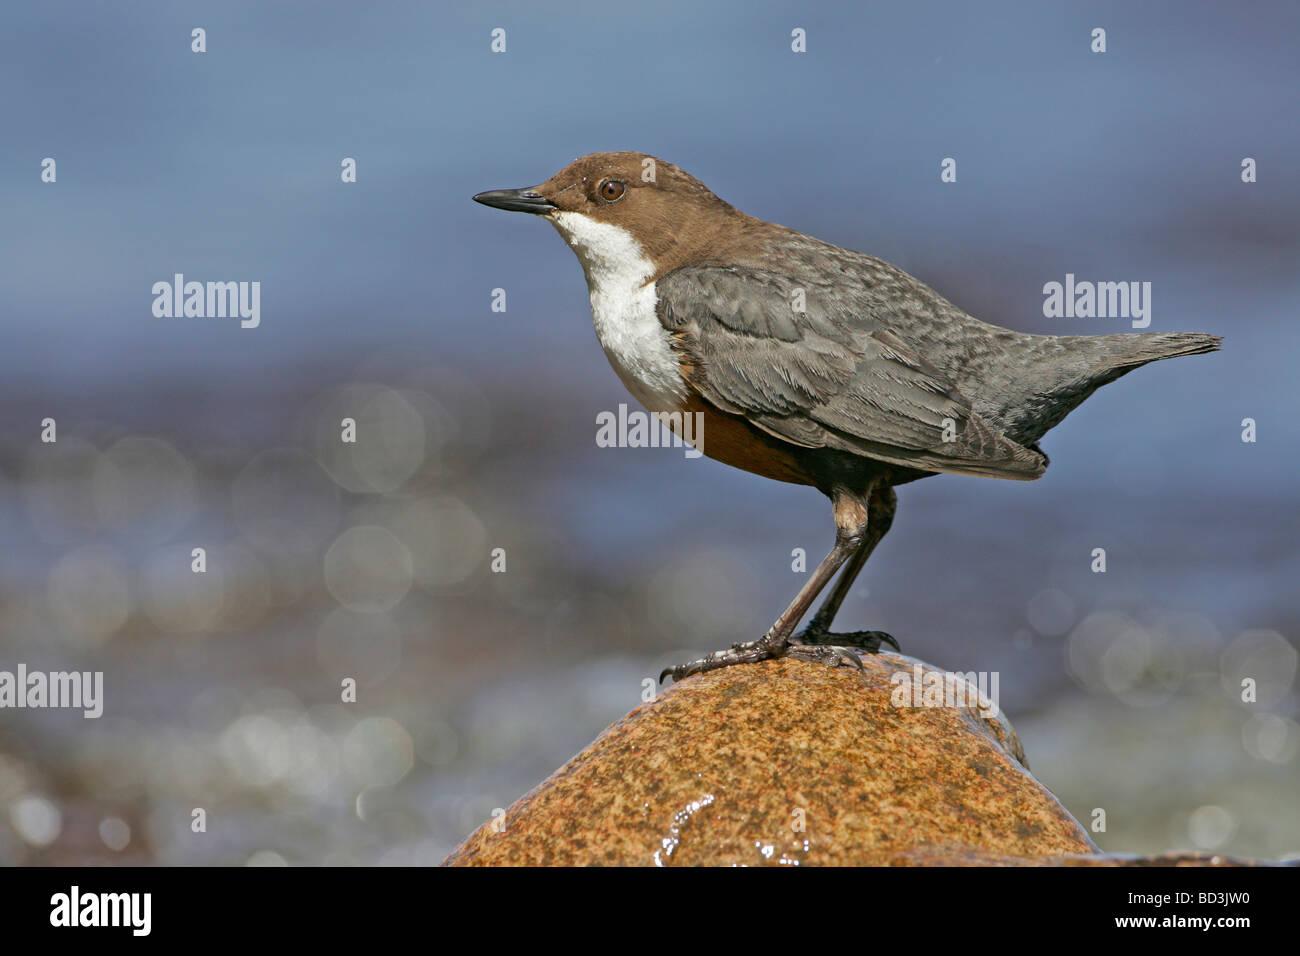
[(806, 366)]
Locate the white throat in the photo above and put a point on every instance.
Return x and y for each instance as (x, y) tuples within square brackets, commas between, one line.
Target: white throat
[(623, 308)]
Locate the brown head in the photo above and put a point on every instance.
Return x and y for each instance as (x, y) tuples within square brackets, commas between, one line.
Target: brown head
[(672, 216)]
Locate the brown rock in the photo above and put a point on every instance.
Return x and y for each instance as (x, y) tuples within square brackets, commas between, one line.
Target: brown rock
[(722, 768), (965, 856)]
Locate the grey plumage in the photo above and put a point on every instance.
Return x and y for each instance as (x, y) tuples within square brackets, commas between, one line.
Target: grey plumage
[(823, 347)]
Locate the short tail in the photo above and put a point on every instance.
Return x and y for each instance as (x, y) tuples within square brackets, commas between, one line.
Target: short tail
[(1071, 367), (1130, 350)]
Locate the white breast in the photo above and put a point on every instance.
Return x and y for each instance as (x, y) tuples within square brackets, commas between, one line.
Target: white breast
[(623, 307)]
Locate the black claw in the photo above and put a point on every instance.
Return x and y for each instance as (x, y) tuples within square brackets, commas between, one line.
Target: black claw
[(679, 672), (867, 640), (815, 645)]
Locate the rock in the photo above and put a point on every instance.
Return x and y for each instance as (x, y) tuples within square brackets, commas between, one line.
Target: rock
[(788, 763), (965, 856)]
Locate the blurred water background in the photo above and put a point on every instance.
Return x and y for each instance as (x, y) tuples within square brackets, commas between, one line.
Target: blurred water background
[(476, 429)]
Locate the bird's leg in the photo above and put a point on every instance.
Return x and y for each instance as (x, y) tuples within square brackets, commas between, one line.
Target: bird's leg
[(850, 512), (881, 504)]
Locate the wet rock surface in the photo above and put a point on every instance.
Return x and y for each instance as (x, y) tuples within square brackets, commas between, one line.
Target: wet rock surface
[(787, 763)]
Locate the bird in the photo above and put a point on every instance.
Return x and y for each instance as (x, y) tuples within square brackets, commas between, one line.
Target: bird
[(809, 363)]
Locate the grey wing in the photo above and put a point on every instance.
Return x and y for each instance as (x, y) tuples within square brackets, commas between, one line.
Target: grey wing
[(805, 366)]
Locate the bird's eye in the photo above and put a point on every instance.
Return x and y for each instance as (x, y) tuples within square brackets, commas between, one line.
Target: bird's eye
[(612, 190)]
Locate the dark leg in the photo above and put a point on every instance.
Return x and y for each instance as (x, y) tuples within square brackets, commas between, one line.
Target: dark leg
[(850, 512), (881, 504)]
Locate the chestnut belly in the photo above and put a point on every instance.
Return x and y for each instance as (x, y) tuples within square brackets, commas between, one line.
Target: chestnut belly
[(733, 441)]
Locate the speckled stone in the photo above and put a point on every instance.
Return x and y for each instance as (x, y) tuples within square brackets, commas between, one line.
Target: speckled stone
[(786, 763), (965, 856)]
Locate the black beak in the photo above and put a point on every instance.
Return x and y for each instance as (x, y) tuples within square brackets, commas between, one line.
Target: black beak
[(515, 200)]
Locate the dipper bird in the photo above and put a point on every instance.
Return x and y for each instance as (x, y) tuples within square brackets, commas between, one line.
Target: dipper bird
[(810, 363)]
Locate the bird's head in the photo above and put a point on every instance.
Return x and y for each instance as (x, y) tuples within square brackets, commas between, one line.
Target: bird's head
[(602, 201)]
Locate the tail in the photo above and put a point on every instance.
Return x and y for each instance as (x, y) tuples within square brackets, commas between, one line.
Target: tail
[(1125, 352), (1066, 369)]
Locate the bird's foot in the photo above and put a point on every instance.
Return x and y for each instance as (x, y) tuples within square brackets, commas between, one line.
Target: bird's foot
[(869, 641), (765, 648)]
